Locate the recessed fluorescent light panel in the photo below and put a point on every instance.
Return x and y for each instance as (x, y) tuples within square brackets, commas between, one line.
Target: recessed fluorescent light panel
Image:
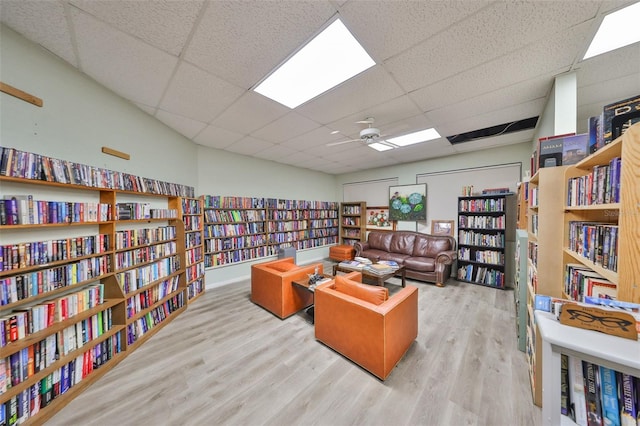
[(379, 146), (332, 57), (617, 30), (416, 137)]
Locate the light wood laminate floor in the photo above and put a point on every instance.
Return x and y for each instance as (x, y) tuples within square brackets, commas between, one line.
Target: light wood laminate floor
[(226, 361)]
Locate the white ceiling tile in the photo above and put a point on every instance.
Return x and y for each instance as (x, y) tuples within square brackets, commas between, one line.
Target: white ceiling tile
[(130, 67), (146, 108), (165, 24), (216, 138), (386, 28), (619, 63), (183, 125), (285, 128), (257, 35), (369, 88), (491, 33), (197, 94), (27, 18), (250, 112), (275, 152), (248, 146), (316, 137)]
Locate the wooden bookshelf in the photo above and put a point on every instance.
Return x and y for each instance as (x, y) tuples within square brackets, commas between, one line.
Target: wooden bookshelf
[(544, 264), (239, 229), (92, 238), (608, 213), (523, 207), (486, 224), (191, 210), (234, 229), (353, 222)]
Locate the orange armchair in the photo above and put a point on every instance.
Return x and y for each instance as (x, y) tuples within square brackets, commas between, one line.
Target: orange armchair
[(272, 288), (363, 324)]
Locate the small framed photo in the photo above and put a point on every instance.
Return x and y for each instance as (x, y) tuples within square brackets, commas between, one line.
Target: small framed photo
[(442, 227)]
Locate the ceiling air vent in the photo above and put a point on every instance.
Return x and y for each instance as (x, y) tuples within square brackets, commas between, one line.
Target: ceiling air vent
[(501, 129)]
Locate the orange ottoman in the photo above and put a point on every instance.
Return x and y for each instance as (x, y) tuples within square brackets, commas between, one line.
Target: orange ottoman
[(342, 252)]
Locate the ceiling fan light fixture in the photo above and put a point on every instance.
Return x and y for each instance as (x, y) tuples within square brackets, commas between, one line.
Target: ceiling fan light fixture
[(415, 137)]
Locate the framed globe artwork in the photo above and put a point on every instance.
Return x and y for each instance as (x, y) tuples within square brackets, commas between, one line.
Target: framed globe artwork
[(408, 202)]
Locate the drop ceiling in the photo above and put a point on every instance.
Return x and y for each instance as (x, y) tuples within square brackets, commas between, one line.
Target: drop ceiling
[(457, 66)]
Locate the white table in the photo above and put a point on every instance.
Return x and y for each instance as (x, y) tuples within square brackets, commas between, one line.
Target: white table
[(614, 352)]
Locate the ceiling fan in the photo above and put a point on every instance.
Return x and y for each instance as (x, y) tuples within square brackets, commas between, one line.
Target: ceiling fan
[(368, 135)]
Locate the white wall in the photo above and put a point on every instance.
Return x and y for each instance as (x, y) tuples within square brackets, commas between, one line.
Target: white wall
[(79, 117)]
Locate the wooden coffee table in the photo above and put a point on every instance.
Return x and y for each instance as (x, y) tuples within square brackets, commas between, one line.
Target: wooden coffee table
[(304, 283), (379, 279)]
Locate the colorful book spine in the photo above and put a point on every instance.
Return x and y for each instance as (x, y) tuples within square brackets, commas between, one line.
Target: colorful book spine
[(609, 388), (592, 393)]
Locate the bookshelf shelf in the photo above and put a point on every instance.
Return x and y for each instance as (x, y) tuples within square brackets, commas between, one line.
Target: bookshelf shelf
[(353, 222), (486, 225), (191, 210), (61, 292)]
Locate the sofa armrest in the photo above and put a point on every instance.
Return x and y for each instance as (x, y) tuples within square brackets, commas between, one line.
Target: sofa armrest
[(360, 246), (446, 257)]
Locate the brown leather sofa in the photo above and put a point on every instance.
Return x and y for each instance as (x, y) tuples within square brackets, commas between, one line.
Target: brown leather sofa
[(272, 288), (425, 257), (364, 324)]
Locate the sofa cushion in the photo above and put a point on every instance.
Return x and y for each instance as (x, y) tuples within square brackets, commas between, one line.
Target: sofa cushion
[(421, 264), (368, 293), (402, 243), (380, 240), (438, 245), (283, 267), (398, 258)]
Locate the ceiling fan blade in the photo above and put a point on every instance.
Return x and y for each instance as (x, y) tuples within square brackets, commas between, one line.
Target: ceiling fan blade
[(369, 120), (343, 142)]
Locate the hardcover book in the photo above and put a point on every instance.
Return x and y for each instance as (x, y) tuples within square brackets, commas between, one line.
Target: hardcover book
[(592, 393), (610, 413)]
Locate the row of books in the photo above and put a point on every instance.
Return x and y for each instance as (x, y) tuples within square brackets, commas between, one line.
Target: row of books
[(352, 210), (301, 214), (580, 282), (481, 275), (231, 202), (26, 362), (481, 256), (281, 204), (19, 408), (133, 279), (291, 225), (595, 241), (191, 206), (227, 216), (351, 221), (193, 255), (481, 239), (143, 300), (28, 165), (601, 186), (193, 239), (482, 222), (21, 323), (195, 271), (235, 243), (19, 287), (532, 252), (192, 223), (129, 258), (24, 210), (23, 255), (195, 288), (231, 229), (234, 256), (128, 238), (593, 394), (137, 211), (482, 205), (142, 325)]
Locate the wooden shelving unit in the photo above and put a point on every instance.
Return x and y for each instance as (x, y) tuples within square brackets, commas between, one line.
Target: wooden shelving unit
[(239, 229), (191, 210), (520, 287), (353, 222), (523, 206), (617, 215), (234, 230), (544, 264), (486, 223), (68, 288)]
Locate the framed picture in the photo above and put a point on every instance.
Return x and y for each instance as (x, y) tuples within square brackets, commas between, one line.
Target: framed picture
[(378, 218), (408, 202), (442, 227)]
